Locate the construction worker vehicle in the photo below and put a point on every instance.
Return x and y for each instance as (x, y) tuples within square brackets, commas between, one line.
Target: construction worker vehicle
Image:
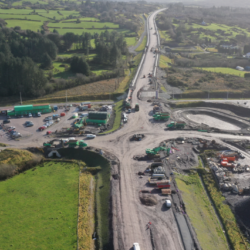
[(137, 137), (176, 125), (137, 107), (163, 116)]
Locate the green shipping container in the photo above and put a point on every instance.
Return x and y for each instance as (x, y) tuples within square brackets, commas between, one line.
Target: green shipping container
[(96, 121)]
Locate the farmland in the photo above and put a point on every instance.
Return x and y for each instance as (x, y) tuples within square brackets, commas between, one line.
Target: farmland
[(228, 71), (201, 213), (164, 60), (39, 208)]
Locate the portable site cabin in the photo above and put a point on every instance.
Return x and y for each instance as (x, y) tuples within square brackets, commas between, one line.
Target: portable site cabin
[(75, 115), (98, 117), (26, 109)]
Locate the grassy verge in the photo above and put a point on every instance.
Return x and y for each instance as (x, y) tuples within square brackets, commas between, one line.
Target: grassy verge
[(117, 122), (163, 88), (143, 44), (97, 163), (15, 156), (233, 232), (201, 213), (86, 211), (228, 71), (3, 145), (39, 208), (164, 60)]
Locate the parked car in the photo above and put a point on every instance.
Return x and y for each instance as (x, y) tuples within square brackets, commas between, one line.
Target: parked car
[(39, 114), (16, 135), (56, 116), (48, 118), (29, 124), (8, 117), (129, 110), (6, 121), (30, 115), (62, 114), (42, 128), (90, 136), (65, 140), (71, 138), (11, 127), (20, 116)]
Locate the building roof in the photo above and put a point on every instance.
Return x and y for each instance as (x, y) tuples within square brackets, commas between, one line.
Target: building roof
[(23, 107), (46, 104)]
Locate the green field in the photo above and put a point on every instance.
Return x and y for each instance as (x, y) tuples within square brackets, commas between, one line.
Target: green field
[(85, 25), (143, 44), (201, 213), (164, 60), (131, 41), (39, 208), (25, 25), (228, 71)]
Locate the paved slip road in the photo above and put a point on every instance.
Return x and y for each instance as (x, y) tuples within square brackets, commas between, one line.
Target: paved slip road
[(135, 216)]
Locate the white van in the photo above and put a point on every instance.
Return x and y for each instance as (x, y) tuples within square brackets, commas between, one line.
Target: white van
[(90, 136), (136, 246), (168, 203)]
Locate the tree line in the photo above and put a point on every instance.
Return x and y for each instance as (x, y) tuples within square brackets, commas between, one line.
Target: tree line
[(23, 55)]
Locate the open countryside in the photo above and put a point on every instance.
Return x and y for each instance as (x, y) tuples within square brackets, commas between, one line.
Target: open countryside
[(102, 144)]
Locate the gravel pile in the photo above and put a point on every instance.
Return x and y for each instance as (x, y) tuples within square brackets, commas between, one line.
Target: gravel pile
[(148, 199)]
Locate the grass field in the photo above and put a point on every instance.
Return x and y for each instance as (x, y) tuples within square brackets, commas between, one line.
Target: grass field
[(34, 26), (94, 160), (143, 44), (117, 122), (86, 216), (39, 208), (15, 156), (164, 60), (85, 25), (131, 41), (228, 71), (201, 213), (227, 217)]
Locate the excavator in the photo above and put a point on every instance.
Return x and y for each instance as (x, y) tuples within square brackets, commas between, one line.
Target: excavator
[(151, 153)]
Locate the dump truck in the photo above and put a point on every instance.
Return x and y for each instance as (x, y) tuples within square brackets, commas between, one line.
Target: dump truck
[(162, 116), (176, 125), (136, 107)]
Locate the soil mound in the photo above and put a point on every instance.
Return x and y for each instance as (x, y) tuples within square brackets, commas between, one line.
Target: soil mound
[(148, 199), (242, 211)]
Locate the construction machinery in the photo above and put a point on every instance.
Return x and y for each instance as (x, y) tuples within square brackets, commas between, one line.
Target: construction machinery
[(156, 108), (176, 125), (137, 107), (137, 137), (162, 116), (127, 105), (152, 153)]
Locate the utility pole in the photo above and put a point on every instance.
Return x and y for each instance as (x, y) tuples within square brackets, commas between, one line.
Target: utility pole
[(66, 96), (20, 98)]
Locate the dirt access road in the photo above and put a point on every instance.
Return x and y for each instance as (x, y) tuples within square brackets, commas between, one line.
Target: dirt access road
[(133, 216)]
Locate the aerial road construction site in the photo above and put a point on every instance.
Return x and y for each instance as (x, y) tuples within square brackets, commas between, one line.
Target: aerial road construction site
[(159, 142)]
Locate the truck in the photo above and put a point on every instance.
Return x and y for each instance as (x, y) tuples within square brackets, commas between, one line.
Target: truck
[(136, 107), (127, 105), (156, 109), (176, 125), (161, 116)]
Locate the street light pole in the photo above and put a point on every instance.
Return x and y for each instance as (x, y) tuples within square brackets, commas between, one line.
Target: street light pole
[(20, 98)]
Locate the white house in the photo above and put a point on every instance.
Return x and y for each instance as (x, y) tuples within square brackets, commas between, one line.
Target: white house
[(247, 55)]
